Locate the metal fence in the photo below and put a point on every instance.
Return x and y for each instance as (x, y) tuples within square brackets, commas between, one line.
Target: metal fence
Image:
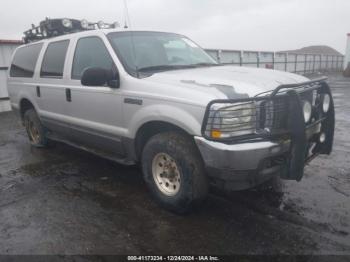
[(290, 62)]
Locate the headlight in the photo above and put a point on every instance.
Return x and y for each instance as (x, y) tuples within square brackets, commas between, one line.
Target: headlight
[(67, 23), (232, 120), (84, 24), (307, 109), (322, 137), (101, 24), (326, 103)]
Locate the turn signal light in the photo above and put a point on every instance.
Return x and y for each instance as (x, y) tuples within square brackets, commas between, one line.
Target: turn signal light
[(215, 134)]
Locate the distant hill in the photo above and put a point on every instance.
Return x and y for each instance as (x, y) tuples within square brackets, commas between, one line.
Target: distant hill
[(315, 49)]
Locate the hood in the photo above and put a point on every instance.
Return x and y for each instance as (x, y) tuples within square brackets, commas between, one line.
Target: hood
[(226, 82)]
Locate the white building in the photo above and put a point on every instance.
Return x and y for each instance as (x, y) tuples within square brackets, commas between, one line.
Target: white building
[(347, 53), (6, 49)]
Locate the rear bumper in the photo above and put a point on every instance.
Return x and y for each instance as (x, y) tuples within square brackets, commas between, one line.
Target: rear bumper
[(244, 165)]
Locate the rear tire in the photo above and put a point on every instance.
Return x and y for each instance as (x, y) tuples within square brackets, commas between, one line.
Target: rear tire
[(174, 172), (35, 130)]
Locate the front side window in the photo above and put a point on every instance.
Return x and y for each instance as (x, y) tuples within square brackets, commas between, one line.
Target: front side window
[(24, 61), (154, 51), (53, 61), (90, 52)]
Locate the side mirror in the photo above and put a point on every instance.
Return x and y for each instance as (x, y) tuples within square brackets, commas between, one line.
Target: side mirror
[(96, 76)]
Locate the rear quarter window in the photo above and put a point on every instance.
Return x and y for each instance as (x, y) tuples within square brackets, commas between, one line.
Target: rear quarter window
[(54, 58), (24, 61)]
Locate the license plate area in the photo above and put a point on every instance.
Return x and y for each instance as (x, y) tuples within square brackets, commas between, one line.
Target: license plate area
[(313, 130)]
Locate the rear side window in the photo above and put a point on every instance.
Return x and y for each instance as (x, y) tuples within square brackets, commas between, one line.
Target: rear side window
[(90, 52), (24, 61), (53, 61)]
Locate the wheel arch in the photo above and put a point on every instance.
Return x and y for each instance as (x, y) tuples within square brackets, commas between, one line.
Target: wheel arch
[(156, 118), (24, 105), (152, 128)]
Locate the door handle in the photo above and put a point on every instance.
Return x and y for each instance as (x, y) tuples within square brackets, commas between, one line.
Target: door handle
[(68, 95), (38, 94)]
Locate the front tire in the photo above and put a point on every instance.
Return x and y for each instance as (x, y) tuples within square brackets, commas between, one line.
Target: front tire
[(35, 130), (174, 172)]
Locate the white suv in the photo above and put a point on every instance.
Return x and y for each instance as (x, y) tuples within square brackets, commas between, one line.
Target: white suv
[(159, 100)]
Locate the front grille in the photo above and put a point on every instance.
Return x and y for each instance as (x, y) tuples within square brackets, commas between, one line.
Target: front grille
[(280, 118), (280, 113), (272, 114)]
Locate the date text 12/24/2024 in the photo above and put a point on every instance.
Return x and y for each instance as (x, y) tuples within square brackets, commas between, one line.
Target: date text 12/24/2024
[(173, 258)]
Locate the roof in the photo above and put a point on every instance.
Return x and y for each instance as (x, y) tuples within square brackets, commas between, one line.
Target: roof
[(89, 33), (70, 35), (11, 42), (317, 50)]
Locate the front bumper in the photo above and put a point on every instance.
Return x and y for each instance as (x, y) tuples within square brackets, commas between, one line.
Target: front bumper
[(244, 156), (244, 165), (282, 150)]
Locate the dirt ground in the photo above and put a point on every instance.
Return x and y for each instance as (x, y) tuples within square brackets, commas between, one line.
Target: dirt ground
[(65, 201)]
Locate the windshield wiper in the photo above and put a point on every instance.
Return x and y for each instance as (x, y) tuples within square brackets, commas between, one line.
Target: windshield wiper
[(205, 64), (164, 67)]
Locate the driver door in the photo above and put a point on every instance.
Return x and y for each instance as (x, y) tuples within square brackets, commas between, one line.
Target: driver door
[(95, 111)]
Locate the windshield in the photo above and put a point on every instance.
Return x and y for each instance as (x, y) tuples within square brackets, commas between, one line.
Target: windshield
[(149, 52)]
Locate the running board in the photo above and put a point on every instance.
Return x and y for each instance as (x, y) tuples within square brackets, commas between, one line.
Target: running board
[(111, 157)]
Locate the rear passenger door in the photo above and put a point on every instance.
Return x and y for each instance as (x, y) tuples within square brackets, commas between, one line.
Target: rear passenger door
[(95, 111), (51, 88)]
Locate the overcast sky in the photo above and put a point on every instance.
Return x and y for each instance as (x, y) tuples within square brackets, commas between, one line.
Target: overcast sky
[(270, 25)]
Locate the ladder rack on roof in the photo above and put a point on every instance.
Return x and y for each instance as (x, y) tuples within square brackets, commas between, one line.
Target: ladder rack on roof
[(60, 26)]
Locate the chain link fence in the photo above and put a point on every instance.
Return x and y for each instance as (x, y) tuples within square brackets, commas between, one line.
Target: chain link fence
[(290, 62)]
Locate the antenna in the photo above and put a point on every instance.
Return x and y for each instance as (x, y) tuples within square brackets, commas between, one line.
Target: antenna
[(126, 15), (128, 25)]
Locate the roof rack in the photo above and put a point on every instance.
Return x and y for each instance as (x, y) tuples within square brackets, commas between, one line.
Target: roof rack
[(60, 26)]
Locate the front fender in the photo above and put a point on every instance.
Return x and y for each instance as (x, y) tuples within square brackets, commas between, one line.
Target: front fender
[(186, 117)]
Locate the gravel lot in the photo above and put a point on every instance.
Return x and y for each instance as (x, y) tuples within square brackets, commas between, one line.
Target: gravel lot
[(65, 201)]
